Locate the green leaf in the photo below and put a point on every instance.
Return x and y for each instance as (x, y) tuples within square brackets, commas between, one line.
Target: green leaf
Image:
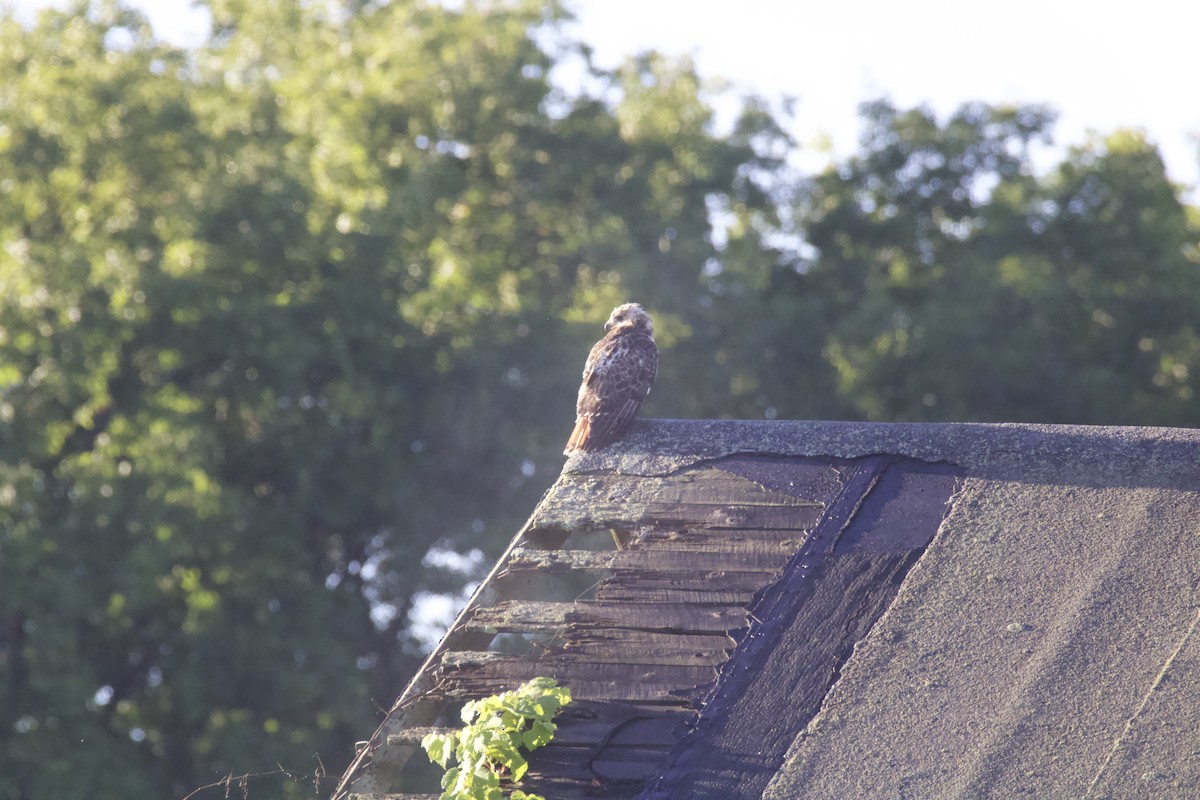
[(438, 746), (518, 767), (538, 735)]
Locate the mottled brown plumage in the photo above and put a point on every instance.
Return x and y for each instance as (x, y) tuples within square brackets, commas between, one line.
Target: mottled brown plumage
[(616, 379)]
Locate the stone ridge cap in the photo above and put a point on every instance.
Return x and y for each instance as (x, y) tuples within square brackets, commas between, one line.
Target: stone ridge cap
[(657, 447)]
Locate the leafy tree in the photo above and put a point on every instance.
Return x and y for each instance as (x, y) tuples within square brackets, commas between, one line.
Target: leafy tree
[(949, 282), (282, 314)]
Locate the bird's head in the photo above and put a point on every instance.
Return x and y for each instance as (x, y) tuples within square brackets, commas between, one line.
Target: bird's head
[(630, 317)]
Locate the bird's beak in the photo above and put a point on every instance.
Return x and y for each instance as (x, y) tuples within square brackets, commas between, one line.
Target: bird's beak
[(608, 325)]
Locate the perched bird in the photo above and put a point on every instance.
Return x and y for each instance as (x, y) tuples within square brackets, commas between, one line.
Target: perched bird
[(616, 379)]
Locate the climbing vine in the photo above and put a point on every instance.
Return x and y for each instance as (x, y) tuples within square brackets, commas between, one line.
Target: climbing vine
[(488, 750)]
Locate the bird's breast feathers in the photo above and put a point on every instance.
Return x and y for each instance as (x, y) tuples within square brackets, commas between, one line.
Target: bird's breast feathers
[(624, 361)]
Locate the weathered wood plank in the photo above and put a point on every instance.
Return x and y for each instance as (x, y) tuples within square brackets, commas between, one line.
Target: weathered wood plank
[(520, 616), (526, 616), (634, 592), (489, 672), (594, 724), (738, 549), (527, 559), (566, 773), (724, 580), (642, 559), (602, 766), (703, 497), (589, 726), (628, 683), (652, 734), (799, 518), (618, 646), (597, 640), (619, 715), (649, 729), (630, 688), (581, 789), (757, 535), (619, 650), (659, 734)]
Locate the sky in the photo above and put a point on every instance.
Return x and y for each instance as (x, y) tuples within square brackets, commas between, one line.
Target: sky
[(1102, 65)]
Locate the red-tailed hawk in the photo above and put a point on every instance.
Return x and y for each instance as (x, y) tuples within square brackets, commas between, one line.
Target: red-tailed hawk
[(616, 379)]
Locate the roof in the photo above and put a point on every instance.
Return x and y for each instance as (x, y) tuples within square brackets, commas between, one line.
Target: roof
[(834, 610)]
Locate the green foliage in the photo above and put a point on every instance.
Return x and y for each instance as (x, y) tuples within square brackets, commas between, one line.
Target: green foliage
[(279, 316), (488, 748), (947, 281)]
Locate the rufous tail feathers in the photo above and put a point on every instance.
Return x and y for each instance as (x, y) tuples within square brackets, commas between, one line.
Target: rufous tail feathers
[(579, 436)]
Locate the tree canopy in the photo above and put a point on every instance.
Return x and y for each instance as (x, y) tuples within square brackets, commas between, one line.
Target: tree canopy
[(288, 316)]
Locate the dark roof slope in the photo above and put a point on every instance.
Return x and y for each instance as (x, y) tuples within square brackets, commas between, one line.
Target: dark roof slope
[(799, 611)]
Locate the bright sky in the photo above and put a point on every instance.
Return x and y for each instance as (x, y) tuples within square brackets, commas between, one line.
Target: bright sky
[(1102, 65)]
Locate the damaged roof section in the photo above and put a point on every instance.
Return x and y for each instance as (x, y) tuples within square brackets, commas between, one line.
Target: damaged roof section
[(667, 578), (837, 610)]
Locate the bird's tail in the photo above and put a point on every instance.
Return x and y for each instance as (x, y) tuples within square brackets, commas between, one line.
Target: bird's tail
[(579, 436)]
